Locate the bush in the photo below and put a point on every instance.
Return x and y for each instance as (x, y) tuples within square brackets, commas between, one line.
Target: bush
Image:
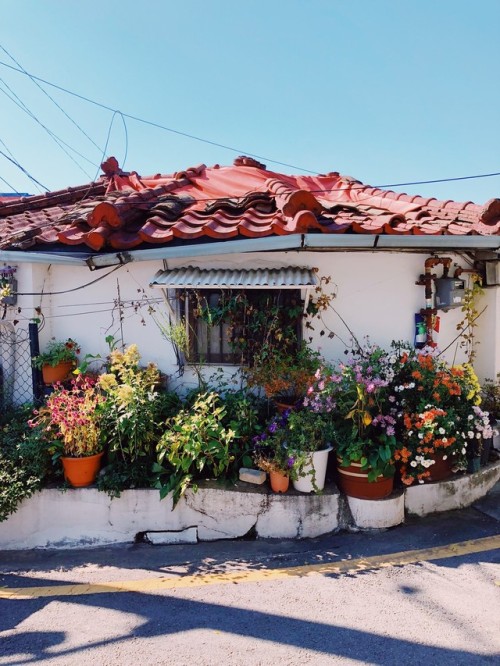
[(25, 462), (197, 444)]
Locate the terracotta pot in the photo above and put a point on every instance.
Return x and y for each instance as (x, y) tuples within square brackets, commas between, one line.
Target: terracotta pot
[(353, 481), (57, 373), (81, 472), (279, 482), (281, 407), (441, 469)]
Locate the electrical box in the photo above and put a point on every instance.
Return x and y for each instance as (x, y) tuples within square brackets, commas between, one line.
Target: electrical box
[(449, 293), (492, 272)]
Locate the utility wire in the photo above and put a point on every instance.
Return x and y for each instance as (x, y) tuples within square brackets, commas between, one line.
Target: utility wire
[(238, 150), (153, 124), (52, 135), (68, 291), (16, 163), (51, 98)]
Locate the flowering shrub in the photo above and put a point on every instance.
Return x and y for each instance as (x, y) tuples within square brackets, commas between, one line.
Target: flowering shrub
[(437, 410), (284, 375), (354, 395), (71, 417), (130, 409)]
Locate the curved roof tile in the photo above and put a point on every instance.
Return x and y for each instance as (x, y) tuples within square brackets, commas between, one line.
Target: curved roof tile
[(124, 210)]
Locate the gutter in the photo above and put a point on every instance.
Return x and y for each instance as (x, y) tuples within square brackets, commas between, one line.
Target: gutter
[(297, 242)]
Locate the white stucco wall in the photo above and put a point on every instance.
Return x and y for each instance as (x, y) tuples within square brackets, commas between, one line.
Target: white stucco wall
[(376, 296)]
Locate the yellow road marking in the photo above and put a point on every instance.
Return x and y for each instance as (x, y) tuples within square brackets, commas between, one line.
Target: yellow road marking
[(251, 576)]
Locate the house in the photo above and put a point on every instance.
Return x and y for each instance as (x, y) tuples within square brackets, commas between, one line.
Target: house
[(109, 258)]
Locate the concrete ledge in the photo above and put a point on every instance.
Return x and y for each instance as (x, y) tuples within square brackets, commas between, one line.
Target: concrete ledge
[(86, 517), (82, 517), (378, 514), (455, 493)]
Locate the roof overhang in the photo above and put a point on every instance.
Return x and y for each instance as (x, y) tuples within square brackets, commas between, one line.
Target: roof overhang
[(293, 242)]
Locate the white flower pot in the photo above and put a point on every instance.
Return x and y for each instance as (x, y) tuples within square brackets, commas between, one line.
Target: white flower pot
[(319, 460), (496, 439)]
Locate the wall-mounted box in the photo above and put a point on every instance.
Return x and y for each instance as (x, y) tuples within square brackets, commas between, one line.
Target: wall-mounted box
[(449, 293), (492, 272)]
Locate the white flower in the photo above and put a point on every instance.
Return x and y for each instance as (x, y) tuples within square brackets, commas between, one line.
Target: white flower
[(420, 481), (441, 431), (410, 433), (478, 435), (463, 451), (470, 417), (420, 435), (470, 434), (445, 439), (413, 463), (445, 457)]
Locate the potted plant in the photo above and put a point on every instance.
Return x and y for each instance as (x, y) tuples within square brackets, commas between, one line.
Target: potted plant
[(284, 375), (354, 394), (310, 440), (57, 361), (439, 422), (271, 453), (70, 418), (296, 443)]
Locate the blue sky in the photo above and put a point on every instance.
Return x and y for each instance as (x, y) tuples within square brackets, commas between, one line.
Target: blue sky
[(387, 91)]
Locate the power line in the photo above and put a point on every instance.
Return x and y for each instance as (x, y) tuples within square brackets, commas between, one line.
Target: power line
[(52, 135), (238, 150), (51, 98), (68, 291), (16, 163), (157, 125)]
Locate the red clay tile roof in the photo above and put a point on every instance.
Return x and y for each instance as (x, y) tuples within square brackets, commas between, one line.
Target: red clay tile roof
[(124, 211)]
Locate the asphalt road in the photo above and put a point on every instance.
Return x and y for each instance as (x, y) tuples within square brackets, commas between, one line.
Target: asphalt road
[(426, 593)]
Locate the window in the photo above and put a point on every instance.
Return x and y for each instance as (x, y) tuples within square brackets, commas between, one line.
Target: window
[(230, 326)]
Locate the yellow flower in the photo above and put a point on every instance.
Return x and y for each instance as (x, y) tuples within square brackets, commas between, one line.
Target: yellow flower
[(125, 393), (107, 382), (131, 355)]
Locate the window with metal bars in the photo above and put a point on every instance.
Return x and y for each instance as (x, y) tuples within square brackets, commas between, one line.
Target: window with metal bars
[(230, 326)]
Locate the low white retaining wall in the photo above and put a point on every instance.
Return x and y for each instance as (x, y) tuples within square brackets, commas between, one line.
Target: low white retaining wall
[(86, 517)]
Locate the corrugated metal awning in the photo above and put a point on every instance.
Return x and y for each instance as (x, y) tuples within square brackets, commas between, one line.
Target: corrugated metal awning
[(189, 277)]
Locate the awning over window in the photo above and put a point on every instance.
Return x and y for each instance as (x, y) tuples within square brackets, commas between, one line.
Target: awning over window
[(189, 277)]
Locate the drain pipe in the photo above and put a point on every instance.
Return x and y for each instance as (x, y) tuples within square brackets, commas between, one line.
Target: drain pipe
[(426, 280)]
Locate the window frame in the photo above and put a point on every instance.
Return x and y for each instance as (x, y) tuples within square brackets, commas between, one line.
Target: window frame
[(198, 330)]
